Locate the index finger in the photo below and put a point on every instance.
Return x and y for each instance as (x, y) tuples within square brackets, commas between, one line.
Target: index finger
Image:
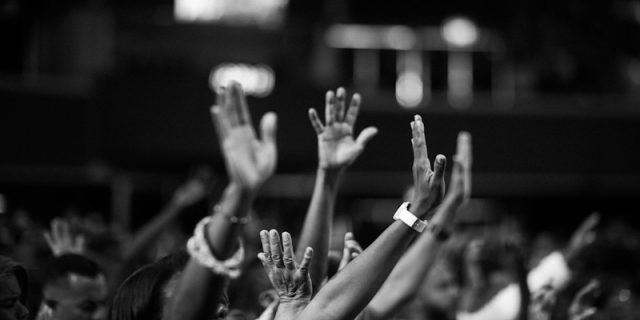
[(420, 153), (240, 106), (264, 238)]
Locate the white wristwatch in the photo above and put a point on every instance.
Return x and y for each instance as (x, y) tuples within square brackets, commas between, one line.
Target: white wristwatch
[(403, 214)]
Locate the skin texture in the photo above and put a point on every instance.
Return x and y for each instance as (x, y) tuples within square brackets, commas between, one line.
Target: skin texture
[(406, 278), (10, 306), (338, 148), (350, 290), (290, 279), (250, 160), (76, 298)]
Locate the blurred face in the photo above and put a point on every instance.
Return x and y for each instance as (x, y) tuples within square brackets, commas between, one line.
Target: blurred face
[(441, 290), (10, 306), (76, 298)]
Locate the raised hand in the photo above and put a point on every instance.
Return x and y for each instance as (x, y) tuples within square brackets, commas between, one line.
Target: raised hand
[(250, 161), (291, 281), (428, 184), (336, 147), (352, 249), (580, 308), (61, 240)]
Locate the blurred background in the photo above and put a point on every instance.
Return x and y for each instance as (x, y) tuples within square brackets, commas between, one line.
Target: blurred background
[(104, 104)]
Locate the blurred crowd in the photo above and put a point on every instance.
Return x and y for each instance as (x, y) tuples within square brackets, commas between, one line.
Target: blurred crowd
[(426, 264)]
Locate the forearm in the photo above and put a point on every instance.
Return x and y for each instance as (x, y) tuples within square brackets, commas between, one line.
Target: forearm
[(151, 230), (288, 310), (222, 234), (408, 275), (199, 289), (142, 240), (316, 232), (344, 296), (406, 278)]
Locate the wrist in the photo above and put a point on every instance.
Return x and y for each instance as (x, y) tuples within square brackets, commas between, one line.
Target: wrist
[(242, 191), (329, 170), (292, 303), (329, 177)]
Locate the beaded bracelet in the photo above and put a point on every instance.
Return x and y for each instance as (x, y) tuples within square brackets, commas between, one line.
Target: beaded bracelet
[(199, 249)]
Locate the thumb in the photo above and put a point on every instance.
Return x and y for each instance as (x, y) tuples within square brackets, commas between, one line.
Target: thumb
[(268, 128), (366, 135)]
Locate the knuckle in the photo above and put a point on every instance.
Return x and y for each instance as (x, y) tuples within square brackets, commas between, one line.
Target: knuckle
[(287, 260)]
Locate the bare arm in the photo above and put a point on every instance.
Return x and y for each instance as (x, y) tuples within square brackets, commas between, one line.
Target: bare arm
[(249, 163), (407, 277), (350, 291), (336, 151), (189, 193)]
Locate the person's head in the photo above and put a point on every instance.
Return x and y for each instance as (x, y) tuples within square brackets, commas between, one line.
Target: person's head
[(75, 288), (440, 291), (144, 295), (13, 290)]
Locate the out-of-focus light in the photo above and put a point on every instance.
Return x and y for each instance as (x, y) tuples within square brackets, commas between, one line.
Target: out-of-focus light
[(459, 32), (460, 80), (267, 13), (409, 84), (355, 36), (256, 80), (400, 38), (409, 89), (352, 36)]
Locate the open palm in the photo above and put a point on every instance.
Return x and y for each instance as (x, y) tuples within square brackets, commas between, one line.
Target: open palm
[(290, 280), (250, 161), (337, 148)]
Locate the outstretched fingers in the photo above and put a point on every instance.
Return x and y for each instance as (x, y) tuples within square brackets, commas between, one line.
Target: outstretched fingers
[(306, 261), (352, 112), (266, 248), (276, 249), (420, 154), (269, 128), (340, 104), (330, 108), (289, 255), (457, 178), (220, 122), (366, 135), (315, 121), (439, 167), (464, 152), (231, 103)]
